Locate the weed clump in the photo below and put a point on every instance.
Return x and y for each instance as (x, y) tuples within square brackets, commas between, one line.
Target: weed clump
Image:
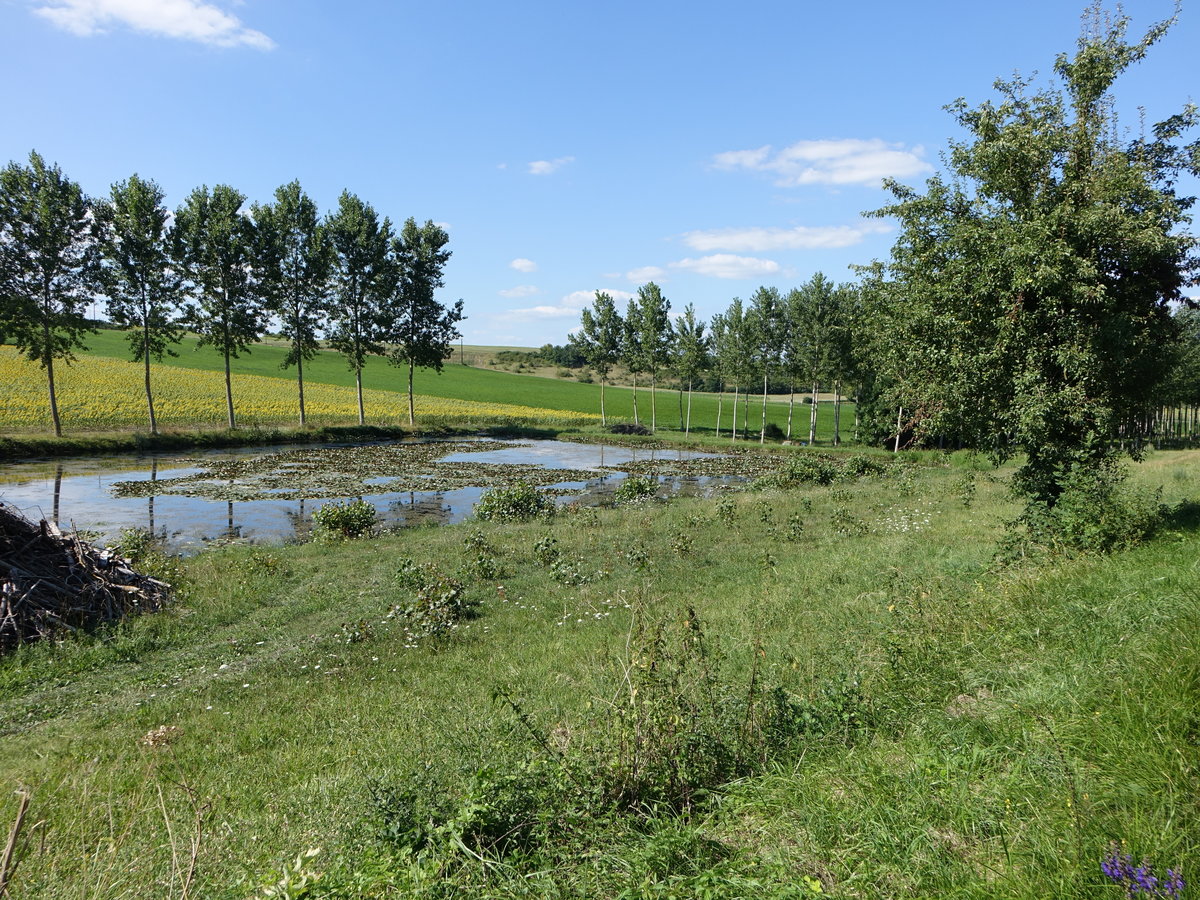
[(635, 489), (439, 602), (351, 519), (518, 503)]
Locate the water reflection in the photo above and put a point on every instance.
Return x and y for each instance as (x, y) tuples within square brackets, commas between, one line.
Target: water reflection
[(78, 494)]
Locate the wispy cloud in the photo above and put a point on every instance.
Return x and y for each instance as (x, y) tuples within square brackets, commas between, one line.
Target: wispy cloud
[(523, 265), (645, 273), (521, 290), (763, 240), (568, 307), (726, 265), (189, 20), (549, 166), (840, 162)]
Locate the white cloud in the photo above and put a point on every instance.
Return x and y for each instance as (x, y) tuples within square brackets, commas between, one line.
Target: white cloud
[(189, 20), (568, 307), (521, 290), (726, 265), (850, 161), (645, 273), (762, 240), (523, 265), (549, 166)]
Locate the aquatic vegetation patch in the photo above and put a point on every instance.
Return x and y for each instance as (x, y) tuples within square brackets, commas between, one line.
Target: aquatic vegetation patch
[(336, 472)]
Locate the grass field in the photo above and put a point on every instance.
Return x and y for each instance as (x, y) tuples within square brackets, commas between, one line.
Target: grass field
[(959, 728), (456, 382)]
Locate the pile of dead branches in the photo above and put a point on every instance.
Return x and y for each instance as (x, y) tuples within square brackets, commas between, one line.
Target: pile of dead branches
[(51, 583)]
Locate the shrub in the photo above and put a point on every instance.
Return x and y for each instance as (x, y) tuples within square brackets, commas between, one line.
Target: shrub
[(860, 464), (635, 489), (350, 519), (518, 503), (439, 602)]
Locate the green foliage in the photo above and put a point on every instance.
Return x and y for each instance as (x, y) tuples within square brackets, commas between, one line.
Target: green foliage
[(518, 503), (1026, 305), (438, 602), (345, 519), (48, 258), (142, 286), (1094, 513), (635, 489)]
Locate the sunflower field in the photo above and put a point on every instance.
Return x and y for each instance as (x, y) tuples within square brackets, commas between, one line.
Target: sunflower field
[(98, 393)]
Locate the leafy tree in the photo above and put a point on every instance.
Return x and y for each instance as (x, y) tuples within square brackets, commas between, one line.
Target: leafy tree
[(691, 354), (599, 339), (812, 321), (138, 275), (732, 345), (48, 259), (421, 330), (631, 349), (215, 247), (361, 280), (1032, 290), (296, 257), (767, 332), (653, 326)]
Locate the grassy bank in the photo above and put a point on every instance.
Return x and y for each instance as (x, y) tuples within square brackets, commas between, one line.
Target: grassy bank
[(949, 727)]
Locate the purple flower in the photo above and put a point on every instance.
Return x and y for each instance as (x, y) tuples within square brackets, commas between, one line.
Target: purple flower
[(1140, 880)]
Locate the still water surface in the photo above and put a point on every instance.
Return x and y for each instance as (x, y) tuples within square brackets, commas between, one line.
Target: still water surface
[(77, 493)]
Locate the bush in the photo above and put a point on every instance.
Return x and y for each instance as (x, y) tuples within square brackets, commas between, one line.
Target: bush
[(805, 468), (350, 519), (439, 602), (860, 464), (518, 503), (635, 489)]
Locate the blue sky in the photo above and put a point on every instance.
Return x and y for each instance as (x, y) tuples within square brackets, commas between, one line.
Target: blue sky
[(711, 147)]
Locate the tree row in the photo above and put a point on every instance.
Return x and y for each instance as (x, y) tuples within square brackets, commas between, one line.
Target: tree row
[(220, 269)]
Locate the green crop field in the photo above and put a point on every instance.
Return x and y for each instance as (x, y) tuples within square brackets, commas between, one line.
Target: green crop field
[(487, 386), (797, 691)]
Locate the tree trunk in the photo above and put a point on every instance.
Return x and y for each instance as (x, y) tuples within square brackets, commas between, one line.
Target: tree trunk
[(720, 405), (229, 390), (412, 416), (791, 402), (636, 421), (681, 406), (762, 437), (603, 417), (899, 418), (149, 396), (48, 358), (837, 413), (362, 420), (736, 388), (299, 368), (812, 414), (687, 428), (857, 438), (653, 402)]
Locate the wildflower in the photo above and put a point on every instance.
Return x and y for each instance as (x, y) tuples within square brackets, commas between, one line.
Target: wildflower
[(1140, 880)]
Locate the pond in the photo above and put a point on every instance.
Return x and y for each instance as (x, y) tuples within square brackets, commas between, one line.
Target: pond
[(267, 495)]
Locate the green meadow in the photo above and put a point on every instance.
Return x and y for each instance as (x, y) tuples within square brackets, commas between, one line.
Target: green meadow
[(800, 690)]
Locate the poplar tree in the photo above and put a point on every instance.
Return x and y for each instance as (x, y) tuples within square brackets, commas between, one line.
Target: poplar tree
[(215, 248), (48, 259), (600, 339), (296, 257), (361, 281), (138, 276), (767, 332), (420, 329), (1037, 281), (691, 354), (653, 325)]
